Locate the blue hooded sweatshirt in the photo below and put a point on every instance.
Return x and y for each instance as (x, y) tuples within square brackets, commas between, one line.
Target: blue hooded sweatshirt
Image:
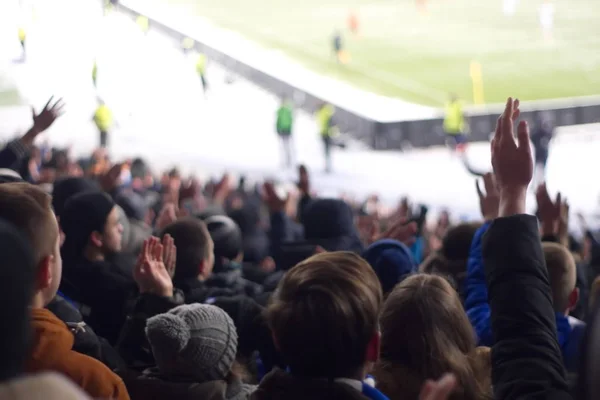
[(569, 330)]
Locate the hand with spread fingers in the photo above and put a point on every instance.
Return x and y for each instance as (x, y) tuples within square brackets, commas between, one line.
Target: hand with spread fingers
[(512, 160), (490, 200), (42, 121), (150, 272)]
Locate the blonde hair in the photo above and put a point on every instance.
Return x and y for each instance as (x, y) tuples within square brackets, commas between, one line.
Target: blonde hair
[(562, 273)]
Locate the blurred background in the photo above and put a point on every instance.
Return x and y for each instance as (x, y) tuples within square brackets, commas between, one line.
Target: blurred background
[(198, 83)]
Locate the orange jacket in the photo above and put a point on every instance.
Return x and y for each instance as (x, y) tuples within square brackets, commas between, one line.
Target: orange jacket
[(52, 351)]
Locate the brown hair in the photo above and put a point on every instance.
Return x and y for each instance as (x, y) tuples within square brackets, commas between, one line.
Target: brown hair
[(30, 208), (425, 334), (562, 274), (324, 314)]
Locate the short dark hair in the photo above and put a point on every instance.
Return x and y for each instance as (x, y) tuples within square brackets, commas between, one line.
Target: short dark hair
[(324, 314), (192, 242), (29, 208)]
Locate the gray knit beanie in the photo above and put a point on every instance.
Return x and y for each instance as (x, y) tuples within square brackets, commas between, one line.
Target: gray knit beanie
[(193, 341)]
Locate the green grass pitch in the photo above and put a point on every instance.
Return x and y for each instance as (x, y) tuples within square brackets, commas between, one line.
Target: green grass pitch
[(422, 57)]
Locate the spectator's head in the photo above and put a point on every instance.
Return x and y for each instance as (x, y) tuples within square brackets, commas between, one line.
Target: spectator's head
[(329, 223), (17, 277), (563, 276), (195, 255), (391, 260), (194, 342), (134, 205), (255, 243), (324, 316), (425, 333), (29, 208), (451, 260), (92, 228), (227, 238), (66, 188)]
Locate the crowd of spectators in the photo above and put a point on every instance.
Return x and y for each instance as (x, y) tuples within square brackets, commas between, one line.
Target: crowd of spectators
[(121, 284)]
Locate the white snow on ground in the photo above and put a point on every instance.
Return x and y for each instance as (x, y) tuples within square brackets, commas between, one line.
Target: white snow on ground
[(163, 116)]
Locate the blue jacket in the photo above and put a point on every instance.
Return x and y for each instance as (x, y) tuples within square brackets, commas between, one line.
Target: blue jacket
[(569, 330)]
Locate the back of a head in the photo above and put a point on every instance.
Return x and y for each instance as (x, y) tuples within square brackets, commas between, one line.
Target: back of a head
[(193, 244), (425, 333), (17, 277), (329, 223), (29, 209), (324, 314), (227, 237), (562, 273), (193, 341), (451, 260)]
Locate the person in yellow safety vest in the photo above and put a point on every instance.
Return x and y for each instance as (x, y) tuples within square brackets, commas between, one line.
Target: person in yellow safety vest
[(22, 38), (95, 72), (143, 23), (327, 130), (103, 118), (201, 70), (454, 124)]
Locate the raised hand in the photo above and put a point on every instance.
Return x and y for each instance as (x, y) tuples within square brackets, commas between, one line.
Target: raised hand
[(400, 231), (438, 390), (273, 201), (490, 200), (150, 272), (166, 216), (49, 114), (549, 212), (512, 161), (303, 181)]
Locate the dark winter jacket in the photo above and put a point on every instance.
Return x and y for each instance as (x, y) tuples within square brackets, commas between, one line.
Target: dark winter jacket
[(133, 345), (12, 155), (279, 385), (526, 357), (570, 330), (150, 385), (86, 341), (229, 276), (103, 292)]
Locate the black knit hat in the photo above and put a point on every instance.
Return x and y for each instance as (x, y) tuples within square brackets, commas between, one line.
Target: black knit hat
[(83, 214), (66, 188)]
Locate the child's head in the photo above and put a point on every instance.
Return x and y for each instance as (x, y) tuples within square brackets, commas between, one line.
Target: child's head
[(425, 333), (562, 273), (195, 341), (324, 316)]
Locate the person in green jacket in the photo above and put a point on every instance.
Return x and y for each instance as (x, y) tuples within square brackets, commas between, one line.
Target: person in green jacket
[(95, 73), (455, 124), (284, 126), (103, 118), (327, 130)]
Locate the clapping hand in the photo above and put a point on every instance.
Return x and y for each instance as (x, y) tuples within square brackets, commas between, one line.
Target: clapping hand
[(400, 231), (155, 267), (512, 160)]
